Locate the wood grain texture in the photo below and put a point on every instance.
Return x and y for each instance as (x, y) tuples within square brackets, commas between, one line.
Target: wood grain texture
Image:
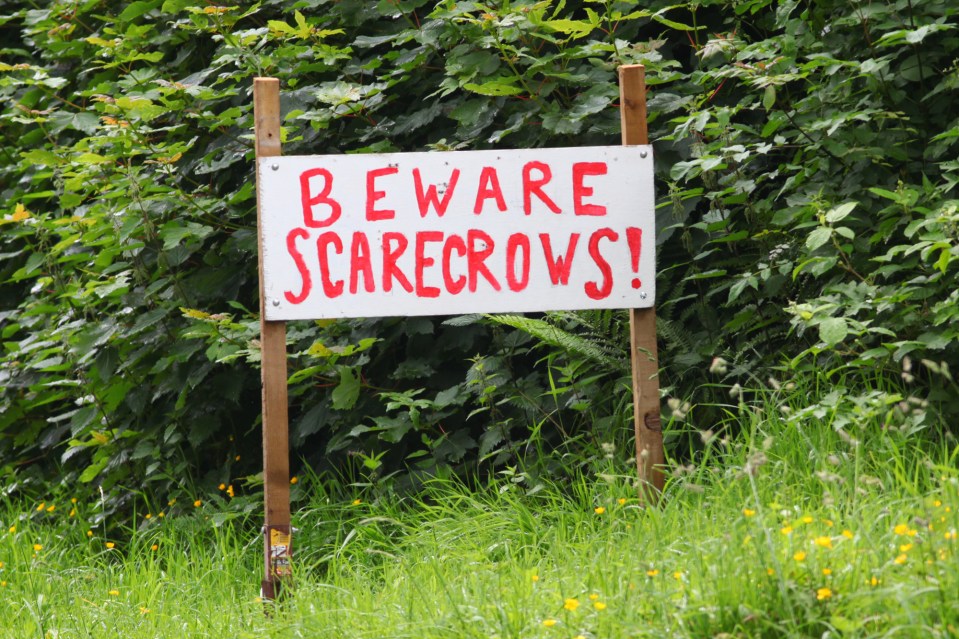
[(650, 457), (276, 456)]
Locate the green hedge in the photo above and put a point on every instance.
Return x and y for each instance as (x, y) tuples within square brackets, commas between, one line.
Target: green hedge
[(806, 158)]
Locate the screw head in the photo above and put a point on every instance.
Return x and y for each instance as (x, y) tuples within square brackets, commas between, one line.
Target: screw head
[(642, 295), (643, 153), (276, 302), (275, 166)]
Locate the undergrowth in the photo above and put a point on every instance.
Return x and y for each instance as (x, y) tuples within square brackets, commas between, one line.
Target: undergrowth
[(791, 528)]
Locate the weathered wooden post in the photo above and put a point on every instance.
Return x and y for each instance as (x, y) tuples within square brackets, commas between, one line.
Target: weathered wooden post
[(277, 535), (650, 458)]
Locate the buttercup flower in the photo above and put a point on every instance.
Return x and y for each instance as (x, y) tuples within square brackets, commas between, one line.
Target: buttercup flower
[(549, 623), (571, 604), (823, 593)]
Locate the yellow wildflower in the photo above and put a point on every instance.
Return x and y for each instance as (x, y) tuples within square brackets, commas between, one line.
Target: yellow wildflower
[(73, 500), (847, 534), (901, 529), (905, 548), (770, 572), (222, 486), (593, 597), (89, 533), (197, 503), (786, 530), (549, 623), (571, 604), (161, 515), (114, 593), (73, 512), (41, 506), (3, 584), (144, 611), (13, 529), (599, 510), (677, 575), (20, 213), (807, 519), (110, 545), (621, 501), (823, 593), (951, 535), (937, 503), (51, 508), (874, 581), (748, 512), (293, 479), (827, 571), (148, 516), (901, 559), (823, 542), (828, 523), (357, 502), (799, 555), (599, 605), (652, 572), (154, 547), (229, 491), (37, 547)]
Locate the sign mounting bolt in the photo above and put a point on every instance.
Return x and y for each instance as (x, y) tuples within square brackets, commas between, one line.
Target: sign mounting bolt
[(277, 302), (642, 296), (643, 153), (276, 167)]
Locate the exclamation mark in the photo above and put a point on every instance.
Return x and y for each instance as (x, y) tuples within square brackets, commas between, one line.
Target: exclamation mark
[(634, 237)]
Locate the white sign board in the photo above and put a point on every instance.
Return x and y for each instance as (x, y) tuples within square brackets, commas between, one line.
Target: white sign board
[(457, 232)]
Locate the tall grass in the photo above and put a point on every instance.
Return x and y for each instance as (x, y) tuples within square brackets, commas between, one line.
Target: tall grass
[(792, 528)]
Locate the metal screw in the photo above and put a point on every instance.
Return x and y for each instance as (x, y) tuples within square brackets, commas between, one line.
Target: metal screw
[(277, 302), (642, 295), (643, 153), (276, 167)]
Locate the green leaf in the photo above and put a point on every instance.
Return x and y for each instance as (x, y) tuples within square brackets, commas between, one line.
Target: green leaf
[(136, 9), (494, 88), (818, 237), (840, 212), (575, 28), (348, 390), (833, 330), (769, 97)]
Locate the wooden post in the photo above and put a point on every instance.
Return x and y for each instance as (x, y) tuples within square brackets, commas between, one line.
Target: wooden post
[(650, 458), (277, 542)]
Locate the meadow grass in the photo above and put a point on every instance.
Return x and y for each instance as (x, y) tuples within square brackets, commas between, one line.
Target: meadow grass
[(783, 531)]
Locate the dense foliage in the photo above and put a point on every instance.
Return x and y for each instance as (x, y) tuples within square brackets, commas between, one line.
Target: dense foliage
[(807, 169)]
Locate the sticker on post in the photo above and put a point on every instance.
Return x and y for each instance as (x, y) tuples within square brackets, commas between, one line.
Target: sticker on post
[(280, 551)]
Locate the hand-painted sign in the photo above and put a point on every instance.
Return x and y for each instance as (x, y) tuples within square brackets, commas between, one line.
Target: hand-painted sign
[(459, 232)]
